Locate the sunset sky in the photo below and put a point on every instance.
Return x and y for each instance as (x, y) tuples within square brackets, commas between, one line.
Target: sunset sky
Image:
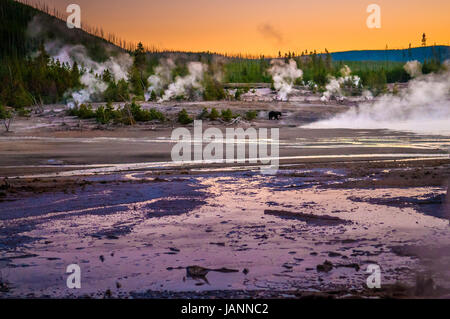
[(265, 27)]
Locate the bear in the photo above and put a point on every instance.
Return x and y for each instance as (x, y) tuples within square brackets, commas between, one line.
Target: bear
[(273, 115)]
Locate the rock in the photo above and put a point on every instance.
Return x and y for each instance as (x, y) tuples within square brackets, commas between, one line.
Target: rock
[(218, 244), (311, 219), (355, 266), (325, 267), (108, 293), (196, 271), (245, 271), (4, 287)]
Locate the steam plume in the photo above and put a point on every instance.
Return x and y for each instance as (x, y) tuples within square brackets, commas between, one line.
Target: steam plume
[(413, 68), (184, 85), (334, 86), (284, 76), (161, 79), (424, 106), (118, 66)]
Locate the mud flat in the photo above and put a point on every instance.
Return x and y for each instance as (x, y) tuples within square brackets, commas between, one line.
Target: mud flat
[(109, 200)]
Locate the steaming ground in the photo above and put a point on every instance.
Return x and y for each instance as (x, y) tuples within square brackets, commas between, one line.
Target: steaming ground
[(423, 107)]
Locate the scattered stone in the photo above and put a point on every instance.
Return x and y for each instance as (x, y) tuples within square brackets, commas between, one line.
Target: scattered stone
[(325, 267), (196, 271), (108, 293), (354, 265), (218, 244), (4, 287), (317, 220)]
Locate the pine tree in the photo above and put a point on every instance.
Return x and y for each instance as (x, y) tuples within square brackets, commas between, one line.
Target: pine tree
[(424, 40)]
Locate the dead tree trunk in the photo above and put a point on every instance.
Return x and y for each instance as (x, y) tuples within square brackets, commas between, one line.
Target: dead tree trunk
[(7, 122)]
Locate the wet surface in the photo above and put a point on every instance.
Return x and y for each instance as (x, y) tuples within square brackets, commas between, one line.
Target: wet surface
[(279, 232)]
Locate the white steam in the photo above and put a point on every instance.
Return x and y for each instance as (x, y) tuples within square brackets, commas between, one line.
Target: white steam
[(284, 76), (94, 86), (334, 88), (413, 68), (184, 85), (367, 95), (423, 107), (161, 79)]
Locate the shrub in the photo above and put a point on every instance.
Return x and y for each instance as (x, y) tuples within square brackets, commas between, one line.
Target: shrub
[(214, 115), (153, 96), (237, 94), (128, 114), (204, 114), (124, 115), (4, 113), (23, 112), (22, 97), (83, 111), (156, 115), (184, 118), (6, 116), (227, 115), (104, 115), (251, 115), (213, 90), (141, 115), (117, 92)]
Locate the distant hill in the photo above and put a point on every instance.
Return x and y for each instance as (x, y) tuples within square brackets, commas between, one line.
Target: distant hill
[(24, 28), (440, 52)]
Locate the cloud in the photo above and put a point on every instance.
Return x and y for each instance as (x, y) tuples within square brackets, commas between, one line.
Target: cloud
[(269, 32)]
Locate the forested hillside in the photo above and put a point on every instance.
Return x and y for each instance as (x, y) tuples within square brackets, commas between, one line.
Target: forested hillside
[(27, 73)]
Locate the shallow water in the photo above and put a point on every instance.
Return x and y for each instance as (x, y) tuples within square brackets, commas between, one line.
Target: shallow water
[(147, 233)]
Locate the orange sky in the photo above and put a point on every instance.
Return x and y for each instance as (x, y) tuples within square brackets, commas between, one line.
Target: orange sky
[(265, 27)]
